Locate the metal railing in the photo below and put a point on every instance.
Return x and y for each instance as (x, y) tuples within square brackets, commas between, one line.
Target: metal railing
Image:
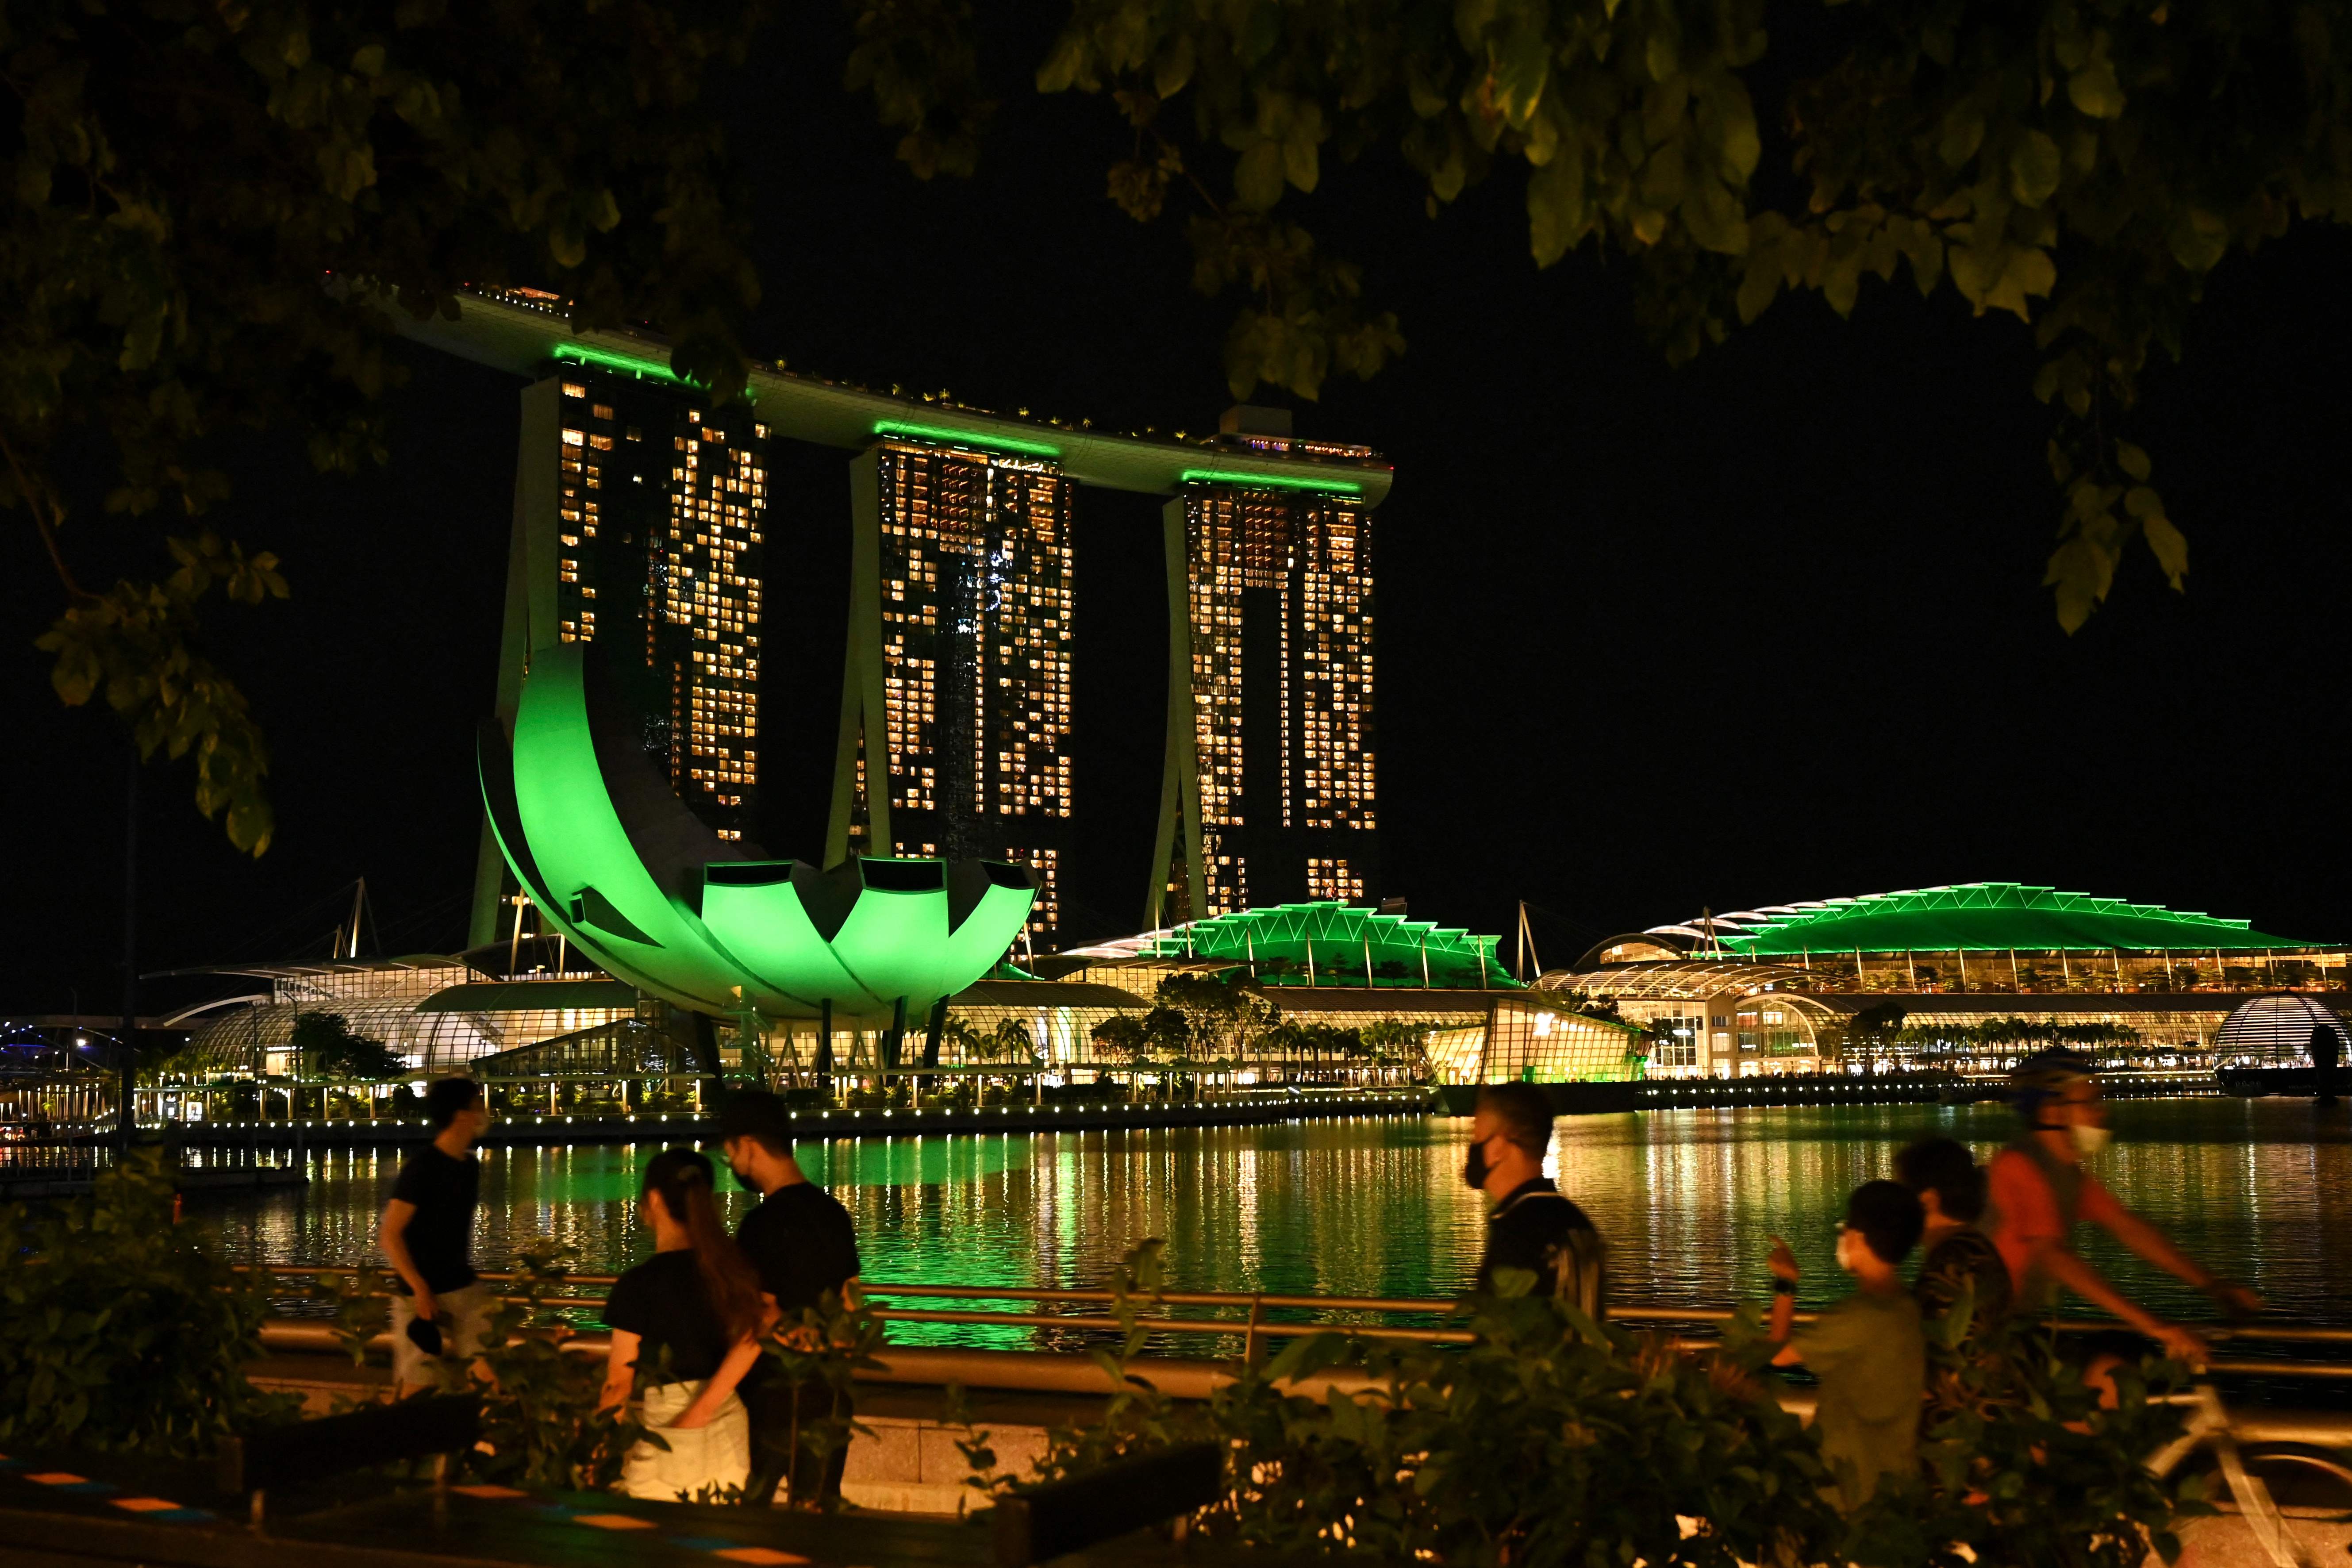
[(1244, 1316)]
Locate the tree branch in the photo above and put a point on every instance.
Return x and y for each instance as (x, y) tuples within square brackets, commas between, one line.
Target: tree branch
[(34, 504)]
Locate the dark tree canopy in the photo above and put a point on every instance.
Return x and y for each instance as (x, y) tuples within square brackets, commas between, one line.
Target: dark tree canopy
[(214, 213), (2080, 164), (331, 1048)]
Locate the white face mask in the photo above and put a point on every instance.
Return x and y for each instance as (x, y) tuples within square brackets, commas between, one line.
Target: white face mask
[(1847, 1241), (2088, 1139)]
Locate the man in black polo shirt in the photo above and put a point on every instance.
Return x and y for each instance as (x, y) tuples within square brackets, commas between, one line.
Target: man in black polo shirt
[(1533, 1225), (800, 1241)]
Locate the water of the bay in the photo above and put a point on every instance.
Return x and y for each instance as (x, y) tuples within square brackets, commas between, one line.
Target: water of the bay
[(2259, 1190)]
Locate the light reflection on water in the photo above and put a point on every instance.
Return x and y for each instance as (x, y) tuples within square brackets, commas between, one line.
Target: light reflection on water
[(1376, 1207)]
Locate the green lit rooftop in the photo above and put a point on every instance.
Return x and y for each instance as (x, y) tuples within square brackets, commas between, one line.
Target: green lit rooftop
[(1337, 943), (1975, 916)]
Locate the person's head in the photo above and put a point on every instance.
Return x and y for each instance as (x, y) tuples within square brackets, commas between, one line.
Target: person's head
[(1512, 1124), (1883, 1218), (1946, 1176), (457, 1103), (756, 1132), (2055, 1091), (677, 1195)]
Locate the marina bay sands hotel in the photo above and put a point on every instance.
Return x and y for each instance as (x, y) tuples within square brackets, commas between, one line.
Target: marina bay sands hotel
[(644, 527)]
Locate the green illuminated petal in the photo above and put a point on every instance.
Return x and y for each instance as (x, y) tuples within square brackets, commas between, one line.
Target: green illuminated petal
[(755, 945)]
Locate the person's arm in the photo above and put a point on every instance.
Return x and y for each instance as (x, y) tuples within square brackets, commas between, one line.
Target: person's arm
[(391, 1235), (2089, 1284), (620, 1372), (2137, 1234), (720, 1383), (1784, 1264)]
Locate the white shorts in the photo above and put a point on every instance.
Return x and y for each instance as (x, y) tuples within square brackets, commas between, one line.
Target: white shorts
[(703, 1460), (463, 1315)]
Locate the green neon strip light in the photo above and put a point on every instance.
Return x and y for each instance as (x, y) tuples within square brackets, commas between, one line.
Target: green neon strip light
[(1267, 481), (630, 364), (967, 438)]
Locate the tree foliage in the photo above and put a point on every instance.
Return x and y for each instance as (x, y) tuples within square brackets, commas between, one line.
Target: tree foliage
[(214, 214), (1210, 1016), (119, 1332), (2081, 166), (2020, 1462), (331, 1049), (1551, 1440), (1554, 1440)]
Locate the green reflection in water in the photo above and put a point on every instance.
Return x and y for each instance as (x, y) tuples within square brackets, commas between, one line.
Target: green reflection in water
[(1686, 1199)]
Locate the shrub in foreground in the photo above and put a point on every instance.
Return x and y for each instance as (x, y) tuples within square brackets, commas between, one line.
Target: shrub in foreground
[(1555, 1440), (121, 1331)]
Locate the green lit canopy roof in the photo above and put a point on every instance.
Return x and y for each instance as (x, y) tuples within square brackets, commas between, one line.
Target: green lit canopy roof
[(1341, 941), (1983, 916)]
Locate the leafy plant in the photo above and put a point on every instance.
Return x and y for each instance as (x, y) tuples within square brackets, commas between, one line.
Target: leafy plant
[(1551, 1439), (1554, 1440), (2023, 1464), (119, 1331), (824, 1349), (540, 1427)]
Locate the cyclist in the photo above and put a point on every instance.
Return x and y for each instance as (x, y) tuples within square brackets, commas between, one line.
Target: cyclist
[(2039, 1193)]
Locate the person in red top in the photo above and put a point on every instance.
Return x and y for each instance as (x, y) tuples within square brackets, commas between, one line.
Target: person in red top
[(2037, 1191)]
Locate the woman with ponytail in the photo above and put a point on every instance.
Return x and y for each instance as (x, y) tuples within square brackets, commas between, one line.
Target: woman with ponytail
[(685, 1326)]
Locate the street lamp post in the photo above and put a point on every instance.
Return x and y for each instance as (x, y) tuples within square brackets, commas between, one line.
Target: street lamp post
[(128, 1056)]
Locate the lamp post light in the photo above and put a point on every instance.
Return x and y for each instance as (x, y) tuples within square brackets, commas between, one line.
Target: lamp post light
[(127, 1063)]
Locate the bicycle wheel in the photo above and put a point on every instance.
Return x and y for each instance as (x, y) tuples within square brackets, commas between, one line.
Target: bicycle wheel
[(2303, 1476)]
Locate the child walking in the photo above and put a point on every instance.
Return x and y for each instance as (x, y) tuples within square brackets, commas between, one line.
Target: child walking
[(685, 1325), (1868, 1350)]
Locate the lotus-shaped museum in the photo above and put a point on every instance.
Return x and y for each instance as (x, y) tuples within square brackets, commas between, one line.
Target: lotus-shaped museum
[(619, 864)]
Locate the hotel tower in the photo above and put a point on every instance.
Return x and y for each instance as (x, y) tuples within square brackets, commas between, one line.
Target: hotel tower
[(955, 697), (1268, 796), (641, 529)]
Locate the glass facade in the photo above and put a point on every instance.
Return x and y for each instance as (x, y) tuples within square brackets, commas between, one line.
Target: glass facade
[(1534, 1041), (379, 1002), (662, 530)]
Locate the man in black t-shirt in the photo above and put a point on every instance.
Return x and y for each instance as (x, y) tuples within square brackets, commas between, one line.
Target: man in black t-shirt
[(801, 1244), (1533, 1225), (427, 1235)]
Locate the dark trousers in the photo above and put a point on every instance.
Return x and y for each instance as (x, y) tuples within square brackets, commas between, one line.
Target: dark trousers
[(779, 1410)]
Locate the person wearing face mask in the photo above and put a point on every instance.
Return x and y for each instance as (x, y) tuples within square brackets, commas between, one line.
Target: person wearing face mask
[(2038, 1192), (804, 1249), (1533, 1225), (1868, 1350)]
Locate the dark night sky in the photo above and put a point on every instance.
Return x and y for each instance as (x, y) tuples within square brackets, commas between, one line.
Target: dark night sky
[(1765, 627)]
